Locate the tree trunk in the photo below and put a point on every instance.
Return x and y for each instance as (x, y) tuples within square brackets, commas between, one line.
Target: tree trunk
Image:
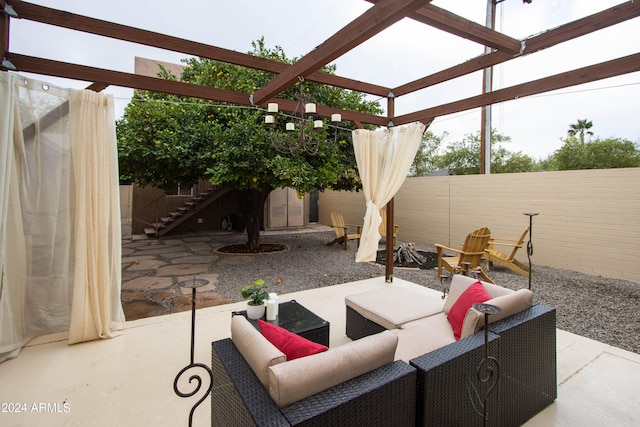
[(252, 205)]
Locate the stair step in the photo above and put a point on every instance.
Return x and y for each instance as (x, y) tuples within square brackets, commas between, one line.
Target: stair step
[(183, 209), (167, 219), (158, 225), (175, 215), (150, 231)]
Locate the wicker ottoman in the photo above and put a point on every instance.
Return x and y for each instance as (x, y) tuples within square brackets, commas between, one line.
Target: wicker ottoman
[(388, 308)]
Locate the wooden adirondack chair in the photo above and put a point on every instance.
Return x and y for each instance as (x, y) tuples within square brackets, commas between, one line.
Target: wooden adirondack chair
[(497, 257), (383, 227), (342, 231), (471, 252)]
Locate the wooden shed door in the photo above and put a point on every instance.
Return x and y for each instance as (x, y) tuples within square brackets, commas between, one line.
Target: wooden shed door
[(285, 209)]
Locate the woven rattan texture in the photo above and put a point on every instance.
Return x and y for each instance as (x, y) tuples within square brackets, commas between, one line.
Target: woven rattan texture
[(319, 335), (383, 397), (238, 397), (449, 392), (528, 362), (359, 326), (524, 344)]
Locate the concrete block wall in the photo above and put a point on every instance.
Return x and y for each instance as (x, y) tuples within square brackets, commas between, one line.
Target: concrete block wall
[(589, 221)]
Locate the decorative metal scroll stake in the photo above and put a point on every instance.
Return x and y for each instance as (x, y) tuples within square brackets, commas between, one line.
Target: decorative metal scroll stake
[(489, 369), (529, 243), (195, 377), (443, 284)]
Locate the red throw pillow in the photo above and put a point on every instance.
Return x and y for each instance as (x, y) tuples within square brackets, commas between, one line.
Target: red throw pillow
[(473, 294), (292, 345)]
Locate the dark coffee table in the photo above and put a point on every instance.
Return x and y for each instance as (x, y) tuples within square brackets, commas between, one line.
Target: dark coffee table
[(295, 318)]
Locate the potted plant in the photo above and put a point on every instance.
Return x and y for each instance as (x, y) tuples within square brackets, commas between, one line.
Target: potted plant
[(257, 292)]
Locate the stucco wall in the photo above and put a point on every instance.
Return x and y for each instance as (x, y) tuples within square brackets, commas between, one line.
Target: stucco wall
[(588, 221)]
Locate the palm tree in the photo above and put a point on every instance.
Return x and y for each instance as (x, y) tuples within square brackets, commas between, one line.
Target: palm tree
[(581, 128)]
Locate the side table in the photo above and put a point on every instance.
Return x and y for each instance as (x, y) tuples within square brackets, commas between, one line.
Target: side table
[(296, 318)]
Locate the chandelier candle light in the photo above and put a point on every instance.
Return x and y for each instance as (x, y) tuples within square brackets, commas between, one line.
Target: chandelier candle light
[(310, 127)]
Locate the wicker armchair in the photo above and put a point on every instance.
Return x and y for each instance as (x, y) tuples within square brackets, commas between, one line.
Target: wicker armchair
[(449, 392), (382, 397)]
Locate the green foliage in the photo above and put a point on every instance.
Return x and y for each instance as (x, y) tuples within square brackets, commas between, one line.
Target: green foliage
[(547, 164), (597, 154), (505, 161), (581, 128), (256, 291), (424, 161), (147, 150), (165, 139), (463, 157)]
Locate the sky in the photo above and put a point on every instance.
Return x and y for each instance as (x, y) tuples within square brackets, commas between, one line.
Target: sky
[(402, 53)]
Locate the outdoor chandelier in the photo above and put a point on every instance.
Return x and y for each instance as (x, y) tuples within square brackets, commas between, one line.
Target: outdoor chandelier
[(310, 130)]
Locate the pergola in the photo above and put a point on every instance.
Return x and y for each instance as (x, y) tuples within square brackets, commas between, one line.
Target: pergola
[(383, 14)]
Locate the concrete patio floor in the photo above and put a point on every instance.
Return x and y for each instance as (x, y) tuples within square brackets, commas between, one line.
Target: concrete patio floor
[(128, 380)]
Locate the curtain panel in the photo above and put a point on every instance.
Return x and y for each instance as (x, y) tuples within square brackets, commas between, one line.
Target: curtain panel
[(384, 158), (96, 310), (52, 279)]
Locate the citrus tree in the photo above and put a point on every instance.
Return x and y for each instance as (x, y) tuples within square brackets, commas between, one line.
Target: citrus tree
[(165, 139)]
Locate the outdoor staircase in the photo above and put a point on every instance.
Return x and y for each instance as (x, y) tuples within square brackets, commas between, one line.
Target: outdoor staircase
[(186, 211)]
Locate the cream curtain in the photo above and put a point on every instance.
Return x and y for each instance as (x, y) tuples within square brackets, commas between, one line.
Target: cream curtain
[(43, 231), (384, 158), (96, 310)]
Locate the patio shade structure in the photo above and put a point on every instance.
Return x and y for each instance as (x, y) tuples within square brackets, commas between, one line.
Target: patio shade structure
[(382, 15)]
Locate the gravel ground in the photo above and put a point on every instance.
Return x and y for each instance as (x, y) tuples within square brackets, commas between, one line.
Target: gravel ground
[(599, 308)]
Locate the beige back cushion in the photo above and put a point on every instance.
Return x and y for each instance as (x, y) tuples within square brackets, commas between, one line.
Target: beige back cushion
[(460, 283), (510, 303), (299, 378), (256, 350)]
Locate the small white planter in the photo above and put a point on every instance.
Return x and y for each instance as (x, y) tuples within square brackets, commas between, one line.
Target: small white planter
[(255, 311)]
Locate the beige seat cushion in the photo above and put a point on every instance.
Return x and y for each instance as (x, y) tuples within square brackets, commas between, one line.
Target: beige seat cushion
[(510, 303), (256, 350), (423, 336), (393, 306), (299, 378)]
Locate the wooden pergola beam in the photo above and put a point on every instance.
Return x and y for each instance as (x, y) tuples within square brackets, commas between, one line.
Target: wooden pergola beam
[(4, 31), (352, 35), (136, 81), (382, 15), (118, 78), (112, 30), (454, 24), (603, 70), (578, 28)]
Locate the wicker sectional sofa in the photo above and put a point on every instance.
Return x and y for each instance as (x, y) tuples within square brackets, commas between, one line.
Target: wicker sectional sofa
[(439, 384), (449, 391)]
